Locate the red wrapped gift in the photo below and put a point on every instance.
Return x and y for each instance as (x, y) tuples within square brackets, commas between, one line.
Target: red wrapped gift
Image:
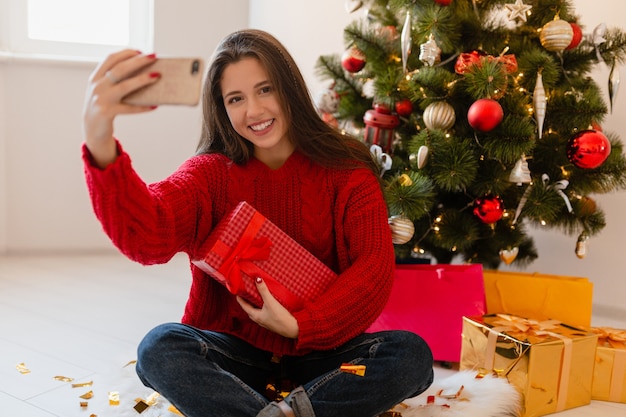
[(246, 245)]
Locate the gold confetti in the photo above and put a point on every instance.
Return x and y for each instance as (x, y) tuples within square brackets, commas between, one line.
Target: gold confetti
[(22, 368), (63, 378), (173, 409), (84, 404), (114, 398), (82, 384), (88, 395), (153, 398), (130, 363), (353, 369), (141, 406)]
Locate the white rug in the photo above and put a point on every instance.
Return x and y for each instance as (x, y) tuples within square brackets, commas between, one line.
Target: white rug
[(458, 395)]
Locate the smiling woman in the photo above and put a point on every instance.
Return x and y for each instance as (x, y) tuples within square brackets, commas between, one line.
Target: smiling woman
[(77, 28)]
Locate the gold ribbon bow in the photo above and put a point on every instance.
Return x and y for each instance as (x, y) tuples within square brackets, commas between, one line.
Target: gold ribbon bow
[(615, 338)]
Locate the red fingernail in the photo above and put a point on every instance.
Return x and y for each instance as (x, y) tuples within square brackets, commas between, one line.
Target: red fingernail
[(154, 107), (151, 56), (259, 280), (155, 74)]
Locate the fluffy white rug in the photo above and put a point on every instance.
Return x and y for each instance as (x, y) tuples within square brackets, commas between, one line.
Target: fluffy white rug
[(458, 395)]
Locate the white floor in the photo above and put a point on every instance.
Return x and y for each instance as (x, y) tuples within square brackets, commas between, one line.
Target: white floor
[(81, 317)]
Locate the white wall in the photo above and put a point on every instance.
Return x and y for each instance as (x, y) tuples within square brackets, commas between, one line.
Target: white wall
[(43, 201)]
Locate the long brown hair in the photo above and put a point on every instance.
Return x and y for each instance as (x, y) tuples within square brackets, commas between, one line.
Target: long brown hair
[(309, 133)]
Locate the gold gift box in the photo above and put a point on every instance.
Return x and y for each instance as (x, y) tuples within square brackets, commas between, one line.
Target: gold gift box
[(609, 374), (550, 363)]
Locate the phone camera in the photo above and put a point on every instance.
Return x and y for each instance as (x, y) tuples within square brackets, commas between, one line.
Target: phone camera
[(195, 67)]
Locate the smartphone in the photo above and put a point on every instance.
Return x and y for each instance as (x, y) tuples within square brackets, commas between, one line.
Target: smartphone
[(180, 83)]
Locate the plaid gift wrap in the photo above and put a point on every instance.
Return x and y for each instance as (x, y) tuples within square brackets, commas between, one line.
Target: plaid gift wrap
[(550, 363), (609, 374), (246, 245)]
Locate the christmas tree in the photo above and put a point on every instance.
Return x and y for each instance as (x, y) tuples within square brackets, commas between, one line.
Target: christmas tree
[(484, 119)]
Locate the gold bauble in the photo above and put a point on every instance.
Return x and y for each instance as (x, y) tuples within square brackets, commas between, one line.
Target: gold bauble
[(556, 35), (402, 229)]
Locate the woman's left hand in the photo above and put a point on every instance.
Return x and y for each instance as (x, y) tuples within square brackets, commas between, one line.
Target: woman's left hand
[(272, 315)]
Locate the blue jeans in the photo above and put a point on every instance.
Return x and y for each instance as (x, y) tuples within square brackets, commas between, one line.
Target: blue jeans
[(206, 374)]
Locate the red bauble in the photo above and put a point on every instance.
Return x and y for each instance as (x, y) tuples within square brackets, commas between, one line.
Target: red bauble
[(443, 2), (588, 149), (489, 209), (578, 36), (404, 107), (382, 108), (485, 114), (353, 60)]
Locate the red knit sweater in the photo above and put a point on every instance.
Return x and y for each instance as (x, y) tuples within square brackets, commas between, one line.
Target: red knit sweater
[(339, 215)]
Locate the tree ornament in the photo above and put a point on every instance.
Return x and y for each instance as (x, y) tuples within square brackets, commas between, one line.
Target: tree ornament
[(586, 206), (581, 245), (613, 84), (443, 2), (327, 105), (430, 53), (556, 35), (519, 10), (353, 5), (418, 160), (353, 60), (439, 115), (406, 41), (520, 174), (485, 114), (577, 36), (404, 107), (540, 103), (508, 255), (588, 149), (379, 129), (382, 159), (489, 209), (402, 229)]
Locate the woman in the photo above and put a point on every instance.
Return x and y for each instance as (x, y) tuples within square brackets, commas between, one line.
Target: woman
[(263, 142)]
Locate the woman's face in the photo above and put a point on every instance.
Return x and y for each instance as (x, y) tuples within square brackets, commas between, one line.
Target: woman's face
[(253, 107)]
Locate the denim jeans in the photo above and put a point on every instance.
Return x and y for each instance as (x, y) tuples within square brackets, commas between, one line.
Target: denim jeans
[(206, 374)]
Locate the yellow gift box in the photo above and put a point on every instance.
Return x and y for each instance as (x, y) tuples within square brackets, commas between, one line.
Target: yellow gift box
[(550, 363), (609, 374), (541, 296)]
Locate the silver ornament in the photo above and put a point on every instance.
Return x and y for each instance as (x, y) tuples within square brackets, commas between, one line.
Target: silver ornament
[(439, 115), (613, 84), (581, 245), (430, 53), (406, 41), (540, 102)]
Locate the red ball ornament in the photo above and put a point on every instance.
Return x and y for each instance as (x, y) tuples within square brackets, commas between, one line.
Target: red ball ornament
[(443, 2), (485, 114), (382, 108), (353, 60), (489, 209), (588, 149), (404, 107), (578, 36)]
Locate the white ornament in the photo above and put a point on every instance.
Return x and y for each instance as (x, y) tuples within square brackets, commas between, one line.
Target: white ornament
[(430, 53), (402, 229), (540, 102), (520, 174), (420, 158), (613, 84), (406, 41), (439, 115), (556, 35), (518, 10), (508, 255), (353, 5)]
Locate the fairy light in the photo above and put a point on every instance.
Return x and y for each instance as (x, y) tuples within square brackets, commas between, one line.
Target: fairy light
[(543, 222)]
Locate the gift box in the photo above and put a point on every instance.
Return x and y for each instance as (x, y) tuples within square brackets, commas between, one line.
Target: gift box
[(245, 245), (550, 363), (431, 300), (609, 374), (540, 296)]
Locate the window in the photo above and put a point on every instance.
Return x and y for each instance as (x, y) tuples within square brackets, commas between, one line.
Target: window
[(85, 28)]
